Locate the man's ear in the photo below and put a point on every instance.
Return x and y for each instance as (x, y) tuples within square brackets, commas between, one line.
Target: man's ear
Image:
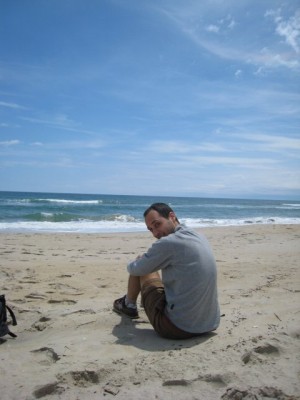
[(172, 216)]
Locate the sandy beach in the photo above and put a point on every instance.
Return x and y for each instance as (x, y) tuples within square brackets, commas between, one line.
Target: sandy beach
[(71, 345)]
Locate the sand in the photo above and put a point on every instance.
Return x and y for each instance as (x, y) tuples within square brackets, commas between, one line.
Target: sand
[(71, 345)]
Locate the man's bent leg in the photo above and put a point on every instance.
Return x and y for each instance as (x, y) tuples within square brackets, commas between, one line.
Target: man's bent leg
[(154, 301), (133, 289), (146, 279), (126, 305)]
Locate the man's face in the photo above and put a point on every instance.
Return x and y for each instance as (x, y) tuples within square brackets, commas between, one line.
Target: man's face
[(160, 226)]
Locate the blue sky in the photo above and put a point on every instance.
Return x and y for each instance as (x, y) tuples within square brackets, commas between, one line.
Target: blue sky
[(161, 97)]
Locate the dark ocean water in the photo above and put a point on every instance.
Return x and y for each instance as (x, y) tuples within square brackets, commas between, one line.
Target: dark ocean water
[(56, 212)]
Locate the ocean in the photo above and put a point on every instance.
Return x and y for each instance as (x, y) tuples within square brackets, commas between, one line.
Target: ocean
[(85, 213)]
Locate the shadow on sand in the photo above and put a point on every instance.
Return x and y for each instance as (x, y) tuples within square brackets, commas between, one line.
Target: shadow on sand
[(139, 333)]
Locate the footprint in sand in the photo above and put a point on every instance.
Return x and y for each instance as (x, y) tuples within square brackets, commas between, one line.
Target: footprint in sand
[(254, 393), (48, 389), (217, 380), (63, 301), (265, 349), (36, 296), (80, 378), (65, 289), (41, 324), (46, 355)]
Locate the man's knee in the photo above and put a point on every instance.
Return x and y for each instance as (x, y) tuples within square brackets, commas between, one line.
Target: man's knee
[(145, 280)]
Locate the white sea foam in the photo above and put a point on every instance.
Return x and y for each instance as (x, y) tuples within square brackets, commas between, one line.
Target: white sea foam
[(198, 223), (294, 205), (71, 201), (124, 224), (29, 202), (72, 226)]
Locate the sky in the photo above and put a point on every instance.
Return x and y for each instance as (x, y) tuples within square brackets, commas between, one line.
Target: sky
[(161, 97)]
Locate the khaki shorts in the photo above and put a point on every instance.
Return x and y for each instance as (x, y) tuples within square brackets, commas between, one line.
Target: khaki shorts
[(154, 302)]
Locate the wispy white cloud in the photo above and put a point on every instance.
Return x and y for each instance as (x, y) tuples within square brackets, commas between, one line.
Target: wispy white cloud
[(246, 151), (10, 143), (183, 147), (12, 105), (231, 24), (212, 28), (288, 29), (222, 25), (60, 121), (9, 125), (266, 58), (59, 162), (241, 162), (77, 145), (232, 50), (36, 144), (272, 141)]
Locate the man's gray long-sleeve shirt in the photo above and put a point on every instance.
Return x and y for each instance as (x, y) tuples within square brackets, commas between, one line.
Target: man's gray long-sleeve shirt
[(189, 275)]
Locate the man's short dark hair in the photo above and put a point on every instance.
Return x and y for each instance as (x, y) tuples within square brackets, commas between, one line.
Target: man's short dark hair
[(163, 210)]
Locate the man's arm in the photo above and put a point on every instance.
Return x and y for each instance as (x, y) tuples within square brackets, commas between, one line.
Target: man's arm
[(157, 257)]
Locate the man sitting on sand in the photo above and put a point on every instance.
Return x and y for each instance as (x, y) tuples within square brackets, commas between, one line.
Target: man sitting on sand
[(184, 302)]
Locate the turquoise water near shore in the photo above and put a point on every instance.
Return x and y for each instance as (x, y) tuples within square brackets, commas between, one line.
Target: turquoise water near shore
[(57, 212)]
